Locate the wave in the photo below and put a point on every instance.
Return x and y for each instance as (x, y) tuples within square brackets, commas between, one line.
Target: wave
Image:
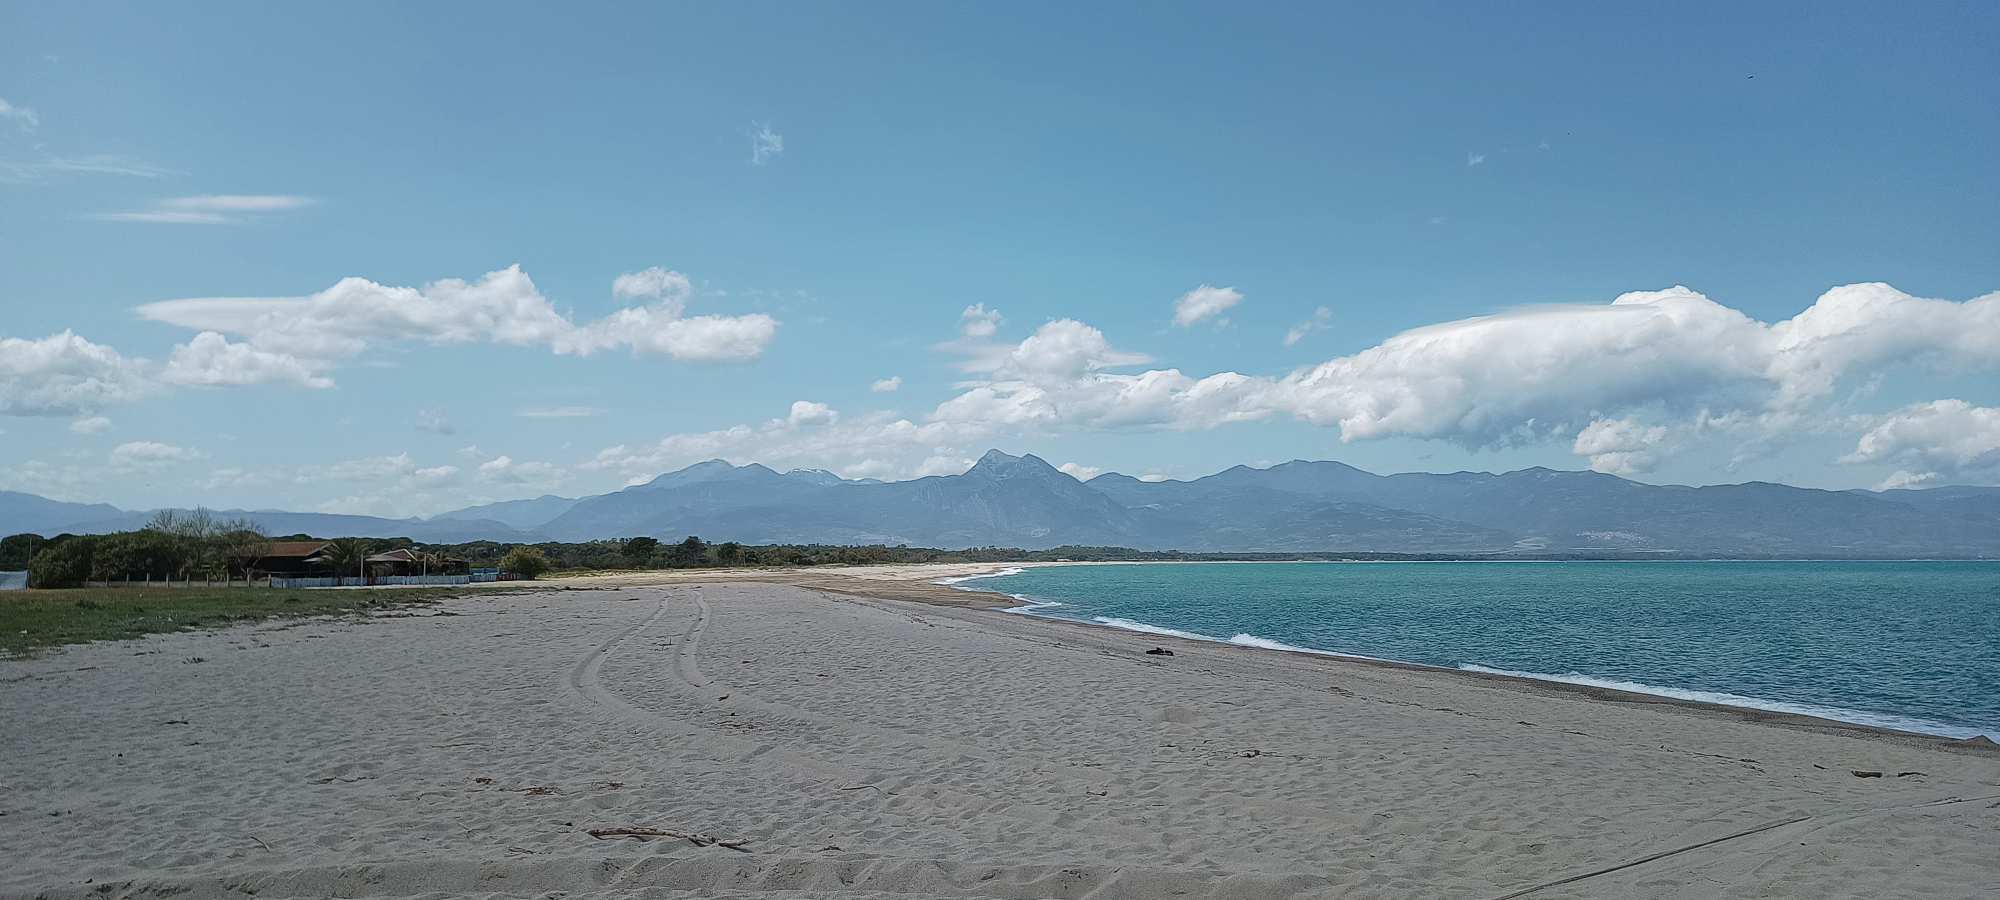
[(1838, 714), (1029, 605), (1264, 643), (955, 579), (1129, 625)]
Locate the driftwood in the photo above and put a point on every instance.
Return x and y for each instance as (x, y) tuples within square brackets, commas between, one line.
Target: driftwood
[(646, 833)]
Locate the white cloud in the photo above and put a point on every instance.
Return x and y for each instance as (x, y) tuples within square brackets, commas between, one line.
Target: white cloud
[(1620, 446), (558, 412), (806, 412), (90, 425), (505, 469), (434, 475), (435, 421), (1321, 318), (1204, 302), (1943, 440), (149, 455), (765, 144), (56, 482), (871, 446), (1538, 371), (978, 322), (1903, 479), (365, 468), (1061, 350), (210, 209), (1058, 376), (394, 485), (502, 307), (697, 339), (19, 171), (1080, 471), (1474, 159), (1858, 327), (887, 385), (1620, 382), (20, 115), (211, 359), (238, 202), (1525, 375), (669, 290), (65, 375)]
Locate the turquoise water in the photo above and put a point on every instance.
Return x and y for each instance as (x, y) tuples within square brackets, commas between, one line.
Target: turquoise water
[(1908, 645)]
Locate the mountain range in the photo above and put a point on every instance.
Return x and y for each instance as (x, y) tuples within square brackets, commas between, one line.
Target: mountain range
[(1299, 506)]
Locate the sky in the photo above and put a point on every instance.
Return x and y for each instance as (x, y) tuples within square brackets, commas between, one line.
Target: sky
[(396, 259)]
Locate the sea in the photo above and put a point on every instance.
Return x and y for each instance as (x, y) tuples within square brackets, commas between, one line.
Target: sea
[(1913, 646)]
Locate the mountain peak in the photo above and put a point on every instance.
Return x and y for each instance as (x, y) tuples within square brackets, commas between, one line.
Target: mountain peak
[(706, 470), (996, 464)]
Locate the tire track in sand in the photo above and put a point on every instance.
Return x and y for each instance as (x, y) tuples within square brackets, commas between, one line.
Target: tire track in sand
[(686, 665), (586, 680)]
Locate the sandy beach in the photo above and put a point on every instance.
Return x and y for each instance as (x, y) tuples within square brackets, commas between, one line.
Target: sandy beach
[(830, 737)]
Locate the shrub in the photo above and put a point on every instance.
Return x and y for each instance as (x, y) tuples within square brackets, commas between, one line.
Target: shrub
[(61, 565), (526, 562)]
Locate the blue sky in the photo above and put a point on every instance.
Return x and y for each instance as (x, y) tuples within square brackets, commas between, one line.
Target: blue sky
[(1079, 171)]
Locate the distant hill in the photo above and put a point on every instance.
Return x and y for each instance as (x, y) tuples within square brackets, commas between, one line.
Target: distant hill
[(52, 517), (26, 512), (520, 514), (1299, 506)]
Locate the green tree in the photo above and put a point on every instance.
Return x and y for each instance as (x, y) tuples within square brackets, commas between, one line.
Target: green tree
[(526, 562), (639, 550), (140, 555), (63, 564), (17, 549), (729, 553), (689, 553)]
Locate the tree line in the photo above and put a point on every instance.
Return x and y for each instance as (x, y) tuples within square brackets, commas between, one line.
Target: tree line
[(175, 544), (178, 545)]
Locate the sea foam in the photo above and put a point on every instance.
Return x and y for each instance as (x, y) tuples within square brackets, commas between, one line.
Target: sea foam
[(956, 579), (1129, 625)]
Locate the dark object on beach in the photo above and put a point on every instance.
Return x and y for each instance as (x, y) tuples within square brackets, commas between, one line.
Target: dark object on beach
[(1860, 773), (643, 833), (1159, 651), (1908, 774)]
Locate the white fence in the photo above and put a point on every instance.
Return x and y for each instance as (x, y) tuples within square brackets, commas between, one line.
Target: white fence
[(382, 580)]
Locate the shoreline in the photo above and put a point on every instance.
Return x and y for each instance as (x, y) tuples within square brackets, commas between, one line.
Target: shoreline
[(1014, 605), (845, 739)]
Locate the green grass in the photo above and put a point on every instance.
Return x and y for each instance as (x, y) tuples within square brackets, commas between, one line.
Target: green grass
[(36, 620)]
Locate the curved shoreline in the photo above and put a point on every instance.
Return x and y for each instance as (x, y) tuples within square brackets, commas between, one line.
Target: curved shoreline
[(1811, 716)]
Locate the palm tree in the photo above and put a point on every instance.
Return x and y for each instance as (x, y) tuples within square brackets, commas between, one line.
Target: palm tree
[(348, 554)]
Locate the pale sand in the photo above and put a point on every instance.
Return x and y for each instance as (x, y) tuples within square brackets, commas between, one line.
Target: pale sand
[(871, 748)]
